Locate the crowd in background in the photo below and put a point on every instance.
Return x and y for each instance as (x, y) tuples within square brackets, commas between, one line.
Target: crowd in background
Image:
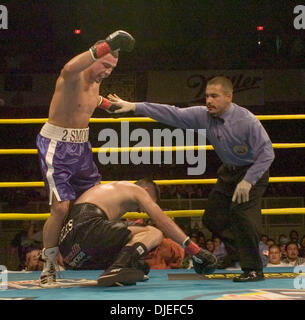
[(21, 197), (286, 250)]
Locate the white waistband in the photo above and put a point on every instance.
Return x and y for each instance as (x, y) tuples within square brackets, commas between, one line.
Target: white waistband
[(64, 134)]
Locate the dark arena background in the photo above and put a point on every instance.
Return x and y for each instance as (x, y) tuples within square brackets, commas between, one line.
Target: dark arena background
[(180, 45)]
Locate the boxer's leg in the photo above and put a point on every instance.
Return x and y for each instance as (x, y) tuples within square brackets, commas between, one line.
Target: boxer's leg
[(127, 268), (52, 227), (51, 233), (57, 177), (150, 236)]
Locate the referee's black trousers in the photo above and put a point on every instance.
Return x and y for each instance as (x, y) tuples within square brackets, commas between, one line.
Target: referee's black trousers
[(239, 226)]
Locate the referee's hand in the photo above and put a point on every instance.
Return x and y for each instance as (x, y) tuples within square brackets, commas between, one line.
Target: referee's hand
[(124, 106), (241, 193)]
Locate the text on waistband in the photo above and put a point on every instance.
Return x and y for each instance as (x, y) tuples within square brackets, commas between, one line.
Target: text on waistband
[(77, 135)]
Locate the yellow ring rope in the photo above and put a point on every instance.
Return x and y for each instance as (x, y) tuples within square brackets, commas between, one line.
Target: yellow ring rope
[(151, 149), (158, 182), (133, 215), (137, 215), (143, 119)]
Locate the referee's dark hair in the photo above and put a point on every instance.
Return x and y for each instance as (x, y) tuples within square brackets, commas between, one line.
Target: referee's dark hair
[(225, 83)]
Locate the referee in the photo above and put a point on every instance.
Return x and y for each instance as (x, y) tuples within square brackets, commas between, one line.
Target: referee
[(233, 211)]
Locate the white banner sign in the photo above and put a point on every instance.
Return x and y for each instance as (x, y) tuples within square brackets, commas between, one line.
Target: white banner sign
[(189, 86)]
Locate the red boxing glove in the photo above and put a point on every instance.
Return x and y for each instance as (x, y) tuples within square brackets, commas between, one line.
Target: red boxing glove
[(100, 49), (192, 248), (204, 261), (106, 105), (119, 40)]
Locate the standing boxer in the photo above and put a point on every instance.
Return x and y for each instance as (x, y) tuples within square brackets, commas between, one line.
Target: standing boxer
[(64, 150), (233, 211)]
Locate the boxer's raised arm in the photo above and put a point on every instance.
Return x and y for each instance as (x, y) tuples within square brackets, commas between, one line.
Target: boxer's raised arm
[(75, 66), (119, 40)]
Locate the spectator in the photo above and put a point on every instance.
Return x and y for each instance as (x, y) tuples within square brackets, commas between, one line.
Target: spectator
[(294, 236), (34, 263), (219, 248), (293, 258), (229, 261), (201, 241), (20, 244), (275, 257), (283, 251), (194, 238), (36, 236), (302, 248), (264, 238), (210, 245), (270, 242), (217, 242), (263, 252), (196, 230), (32, 260), (283, 239)]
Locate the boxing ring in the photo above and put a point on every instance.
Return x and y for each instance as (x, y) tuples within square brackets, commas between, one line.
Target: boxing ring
[(179, 284)]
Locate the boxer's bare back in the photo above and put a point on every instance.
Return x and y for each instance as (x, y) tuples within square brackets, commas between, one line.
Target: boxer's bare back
[(115, 198), (119, 197)]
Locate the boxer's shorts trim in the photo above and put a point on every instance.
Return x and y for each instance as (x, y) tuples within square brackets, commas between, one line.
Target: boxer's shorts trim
[(49, 175)]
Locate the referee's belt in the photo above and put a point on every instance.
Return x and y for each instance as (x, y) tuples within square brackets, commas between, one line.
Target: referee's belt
[(234, 168)]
